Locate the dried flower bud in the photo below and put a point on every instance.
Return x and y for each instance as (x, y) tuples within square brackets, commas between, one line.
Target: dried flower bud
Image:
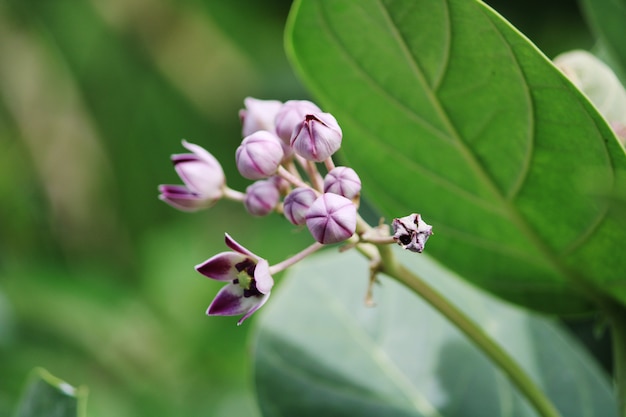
[(317, 137), (297, 203), (258, 115), (261, 198), (411, 232), (343, 181), (259, 155), (290, 115), (331, 218)]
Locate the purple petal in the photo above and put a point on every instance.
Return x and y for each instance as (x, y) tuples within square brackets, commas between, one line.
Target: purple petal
[(261, 300), (200, 171), (262, 277), (199, 178), (181, 198), (232, 243), (221, 267), (203, 154), (230, 301)]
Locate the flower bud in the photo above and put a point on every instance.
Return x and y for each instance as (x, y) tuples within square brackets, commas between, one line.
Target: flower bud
[(297, 203), (411, 232), (261, 198), (331, 218), (258, 115), (317, 137), (290, 115), (259, 155), (203, 177), (343, 181)]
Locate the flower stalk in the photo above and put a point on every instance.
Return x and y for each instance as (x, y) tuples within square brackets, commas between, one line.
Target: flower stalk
[(527, 387)]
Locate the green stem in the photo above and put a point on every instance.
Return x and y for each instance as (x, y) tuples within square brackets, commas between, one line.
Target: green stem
[(493, 350), (617, 317)]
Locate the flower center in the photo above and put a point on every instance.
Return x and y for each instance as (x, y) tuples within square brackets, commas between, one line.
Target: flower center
[(245, 278)]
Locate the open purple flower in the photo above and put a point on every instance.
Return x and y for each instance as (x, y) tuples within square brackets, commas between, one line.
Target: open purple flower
[(249, 281), (203, 177)]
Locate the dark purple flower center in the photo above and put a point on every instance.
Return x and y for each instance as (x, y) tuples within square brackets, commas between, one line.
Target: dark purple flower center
[(247, 267)]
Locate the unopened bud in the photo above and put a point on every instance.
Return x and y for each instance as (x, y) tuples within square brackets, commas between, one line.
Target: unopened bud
[(343, 181), (261, 198), (297, 203), (317, 137), (411, 232), (331, 218), (258, 115), (259, 155), (290, 115)]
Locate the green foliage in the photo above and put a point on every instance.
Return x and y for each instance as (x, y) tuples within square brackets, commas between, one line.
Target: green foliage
[(320, 351), (469, 124), (48, 396)]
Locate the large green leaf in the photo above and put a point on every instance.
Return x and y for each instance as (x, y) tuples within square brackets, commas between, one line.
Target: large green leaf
[(608, 20), (320, 352), (449, 111), (48, 396)]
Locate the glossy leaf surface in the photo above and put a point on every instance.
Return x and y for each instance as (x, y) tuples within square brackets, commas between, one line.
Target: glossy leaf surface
[(449, 111)]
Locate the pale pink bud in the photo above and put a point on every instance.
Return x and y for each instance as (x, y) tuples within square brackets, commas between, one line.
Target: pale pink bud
[(331, 218), (343, 181), (259, 155), (258, 115), (261, 198), (290, 115), (317, 137), (297, 203)]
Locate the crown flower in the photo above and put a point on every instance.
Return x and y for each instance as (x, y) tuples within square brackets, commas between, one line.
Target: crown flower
[(287, 151), (259, 155), (203, 177), (317, 137), (290, 115), (261, 198), (258, 115), (248, 277), (331, 218)]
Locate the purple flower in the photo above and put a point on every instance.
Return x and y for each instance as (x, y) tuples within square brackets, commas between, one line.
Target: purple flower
[(259, 155), (258, 115), (203, 177), (343, 181), (290, 115), (411, 232), (248, 277), (262, 197), (331, 218), (317, 137)]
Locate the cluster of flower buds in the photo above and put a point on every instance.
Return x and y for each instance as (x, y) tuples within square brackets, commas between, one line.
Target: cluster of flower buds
[(287, 151)]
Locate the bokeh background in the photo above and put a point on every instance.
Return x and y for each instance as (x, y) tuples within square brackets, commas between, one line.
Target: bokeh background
[(96, 275)]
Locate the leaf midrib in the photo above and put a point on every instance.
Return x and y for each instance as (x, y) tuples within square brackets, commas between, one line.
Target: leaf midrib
[(513, 214)]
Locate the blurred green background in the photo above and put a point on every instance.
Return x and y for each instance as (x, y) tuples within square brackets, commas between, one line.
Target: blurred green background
[(96, 275)]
